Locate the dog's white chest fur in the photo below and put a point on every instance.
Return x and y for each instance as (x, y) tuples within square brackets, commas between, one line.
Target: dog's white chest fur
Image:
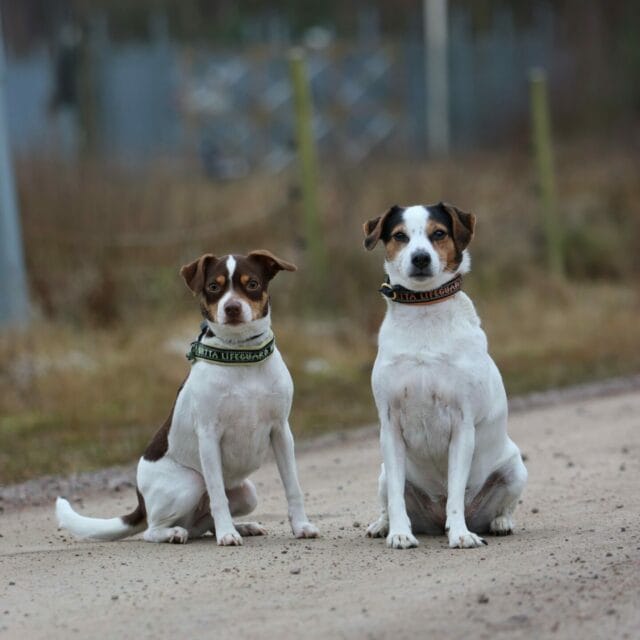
[(239, 405), (433, 368)]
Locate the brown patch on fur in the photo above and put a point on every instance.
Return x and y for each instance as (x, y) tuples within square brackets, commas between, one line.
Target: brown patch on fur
[(259, 308), (374, 229), (463, 226), (445, 246), (160, 441), (138, 514), (258, 268), (392, 246), (271, 263), (194, 273)]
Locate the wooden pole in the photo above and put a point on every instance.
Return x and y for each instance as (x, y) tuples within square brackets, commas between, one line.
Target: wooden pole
[(541, 131), (305, 141), (436, 76), (14, 301)]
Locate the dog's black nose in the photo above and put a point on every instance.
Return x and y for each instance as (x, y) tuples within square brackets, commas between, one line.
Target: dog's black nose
[(421, 259), (233, 309)]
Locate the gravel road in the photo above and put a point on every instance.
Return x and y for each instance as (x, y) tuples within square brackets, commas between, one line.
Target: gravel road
[(571, 570)]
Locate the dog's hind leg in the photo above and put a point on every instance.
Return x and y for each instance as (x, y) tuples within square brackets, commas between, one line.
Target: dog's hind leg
[(491, 510), (176, 535), (515, 478), (172, 494), (380, 528)]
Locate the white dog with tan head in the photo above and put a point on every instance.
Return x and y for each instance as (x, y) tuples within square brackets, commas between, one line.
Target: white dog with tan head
[(448, 463)]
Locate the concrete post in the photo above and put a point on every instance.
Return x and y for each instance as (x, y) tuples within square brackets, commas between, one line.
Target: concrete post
[(14, 300)]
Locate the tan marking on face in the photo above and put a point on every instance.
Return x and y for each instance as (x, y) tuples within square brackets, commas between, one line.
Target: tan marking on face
[(258, 306), (247, 272), (221, 280), (394, 247), (445, 247)]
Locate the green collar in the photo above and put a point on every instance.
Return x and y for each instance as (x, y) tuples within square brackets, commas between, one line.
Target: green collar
[(239, 356)]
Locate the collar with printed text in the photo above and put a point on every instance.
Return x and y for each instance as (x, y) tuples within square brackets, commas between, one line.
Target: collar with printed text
[(397, 293), (237, 356)]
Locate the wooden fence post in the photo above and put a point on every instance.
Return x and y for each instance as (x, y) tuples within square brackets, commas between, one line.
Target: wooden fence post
[(306, 150), (541, 131)]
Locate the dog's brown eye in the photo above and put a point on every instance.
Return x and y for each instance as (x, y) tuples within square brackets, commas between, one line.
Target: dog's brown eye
[(438, 234), (252, 285), (214, 287), (399, 236)]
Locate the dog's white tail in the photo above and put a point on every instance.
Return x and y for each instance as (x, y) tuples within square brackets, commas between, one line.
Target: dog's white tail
[(100, 528)]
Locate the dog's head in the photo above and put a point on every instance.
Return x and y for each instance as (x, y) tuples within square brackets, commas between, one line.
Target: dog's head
[(233, 289), (424, 245)]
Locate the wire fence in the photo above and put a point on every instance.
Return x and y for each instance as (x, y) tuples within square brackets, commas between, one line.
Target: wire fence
[(231, 110)]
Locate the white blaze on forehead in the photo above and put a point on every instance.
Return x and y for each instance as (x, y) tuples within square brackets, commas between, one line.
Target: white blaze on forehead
[(231, 266), (231, 295), (415, 220)]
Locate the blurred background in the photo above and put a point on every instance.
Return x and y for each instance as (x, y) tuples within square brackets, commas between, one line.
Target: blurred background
[(144, 134)]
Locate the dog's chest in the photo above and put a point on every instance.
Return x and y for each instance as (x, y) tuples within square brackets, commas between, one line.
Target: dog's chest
[(234, 406), (426, 413)]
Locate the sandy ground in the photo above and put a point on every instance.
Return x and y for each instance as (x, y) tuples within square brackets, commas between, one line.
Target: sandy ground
[(572, 569)]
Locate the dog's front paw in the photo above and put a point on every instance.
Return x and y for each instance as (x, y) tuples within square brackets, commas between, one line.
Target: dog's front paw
[(305, 530), (465, 540), (250, 529), (229, 539), (501, 526), (379, 528), (401, 541)]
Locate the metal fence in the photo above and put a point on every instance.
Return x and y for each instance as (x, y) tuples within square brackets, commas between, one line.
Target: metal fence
[(232, 109)]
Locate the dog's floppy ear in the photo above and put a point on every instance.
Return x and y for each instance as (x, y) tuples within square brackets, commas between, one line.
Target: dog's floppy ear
[(462, 225), (373, 228), (272, 264), (195, 272)]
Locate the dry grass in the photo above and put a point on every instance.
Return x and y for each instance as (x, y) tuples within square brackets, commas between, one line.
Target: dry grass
[(86, 385)]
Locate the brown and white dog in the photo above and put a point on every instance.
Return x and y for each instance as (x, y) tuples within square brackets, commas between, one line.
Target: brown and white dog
[(448, 461), (193, 476)]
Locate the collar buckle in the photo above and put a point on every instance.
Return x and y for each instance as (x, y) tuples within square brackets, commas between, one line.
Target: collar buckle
[(388, 291)]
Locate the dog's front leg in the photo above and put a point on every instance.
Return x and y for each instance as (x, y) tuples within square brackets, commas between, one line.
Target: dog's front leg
[(394, 456), (283, 449), (461, 449), (211, 461)]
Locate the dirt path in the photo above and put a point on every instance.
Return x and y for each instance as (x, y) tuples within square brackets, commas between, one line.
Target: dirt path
[(572, 570)]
